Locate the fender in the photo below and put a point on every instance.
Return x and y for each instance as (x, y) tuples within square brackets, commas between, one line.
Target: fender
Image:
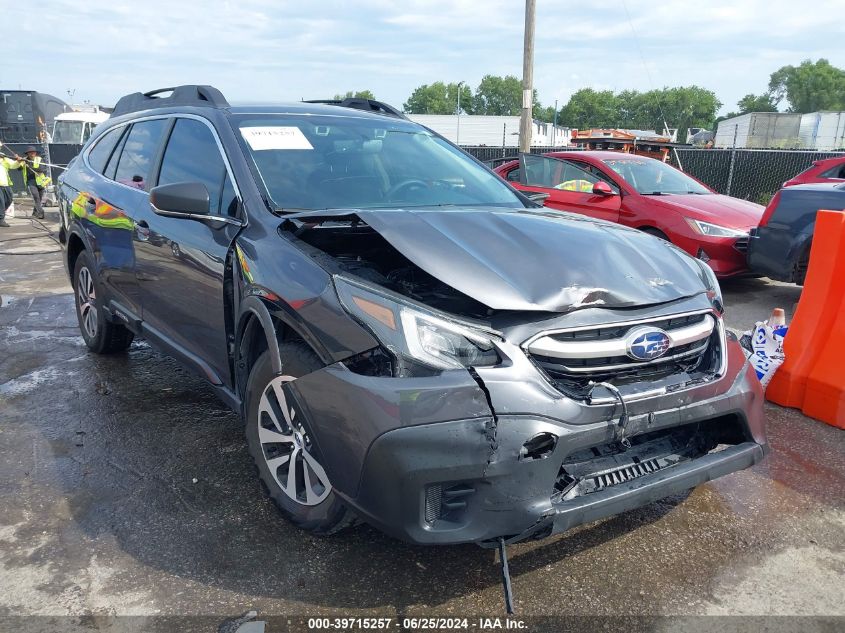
[(75, 229), (800, 245), (252, 304)]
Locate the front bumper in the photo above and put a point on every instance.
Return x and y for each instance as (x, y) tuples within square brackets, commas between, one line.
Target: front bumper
[(393, 453), (725, 255)]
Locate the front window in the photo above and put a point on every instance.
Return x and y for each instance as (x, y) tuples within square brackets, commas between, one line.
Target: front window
[(67, 131), (330, 162), (651, 177)]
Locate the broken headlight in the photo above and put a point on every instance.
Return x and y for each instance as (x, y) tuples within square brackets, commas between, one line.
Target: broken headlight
[(414, 332), (714, 292)]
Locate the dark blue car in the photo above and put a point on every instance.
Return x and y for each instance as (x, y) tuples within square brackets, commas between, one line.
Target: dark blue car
[(780, 247), (411, 342)]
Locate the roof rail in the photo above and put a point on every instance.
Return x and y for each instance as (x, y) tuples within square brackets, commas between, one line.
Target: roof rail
[(370, 105), (189, 95)]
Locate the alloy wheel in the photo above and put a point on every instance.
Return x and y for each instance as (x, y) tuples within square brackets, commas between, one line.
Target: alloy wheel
[(286, 447), (86, 295)]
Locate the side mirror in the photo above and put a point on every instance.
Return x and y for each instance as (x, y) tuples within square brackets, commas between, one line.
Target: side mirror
[(180, 199), (601, 188)]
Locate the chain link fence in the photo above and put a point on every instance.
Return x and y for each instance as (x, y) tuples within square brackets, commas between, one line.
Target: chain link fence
[(488, 153), (750, 174)]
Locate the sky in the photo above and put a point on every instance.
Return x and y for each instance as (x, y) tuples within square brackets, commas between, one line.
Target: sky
[(275, 50)]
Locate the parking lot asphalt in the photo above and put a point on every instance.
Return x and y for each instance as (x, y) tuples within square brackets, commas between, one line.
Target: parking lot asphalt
[(126, 489)]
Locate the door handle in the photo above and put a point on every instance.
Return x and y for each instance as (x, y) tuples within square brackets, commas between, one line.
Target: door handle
[(142, 230)]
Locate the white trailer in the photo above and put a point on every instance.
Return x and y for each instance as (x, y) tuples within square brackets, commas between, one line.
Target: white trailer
[(760, 130), (492, 131), (823, 131)]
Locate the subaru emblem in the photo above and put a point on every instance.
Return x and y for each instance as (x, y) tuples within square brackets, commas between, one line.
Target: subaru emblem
[(647, 343)]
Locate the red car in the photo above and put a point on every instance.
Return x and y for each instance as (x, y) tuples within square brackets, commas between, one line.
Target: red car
[(827, 170), (645, 194)]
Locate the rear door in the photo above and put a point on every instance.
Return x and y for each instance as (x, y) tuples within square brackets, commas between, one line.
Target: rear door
[(181, 263), (569, 187), (107, 206)]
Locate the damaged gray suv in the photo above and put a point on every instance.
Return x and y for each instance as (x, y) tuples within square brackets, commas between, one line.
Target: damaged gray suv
[(410, 342)]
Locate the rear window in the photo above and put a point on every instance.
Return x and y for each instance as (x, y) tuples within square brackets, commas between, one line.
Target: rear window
[(99, 154), (138, 153), (835, 172)]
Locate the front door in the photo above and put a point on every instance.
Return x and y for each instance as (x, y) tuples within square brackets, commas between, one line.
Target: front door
[(569, 187), (181, 264)]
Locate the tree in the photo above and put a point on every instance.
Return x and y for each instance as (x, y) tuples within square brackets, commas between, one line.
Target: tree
[(810, 87), (361, 94), (438, 98), (682, 107), (588, 108), (500, 96), (544, 114), (757, 103)]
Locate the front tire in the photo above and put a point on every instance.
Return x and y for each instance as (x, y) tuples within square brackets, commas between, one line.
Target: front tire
[(100, 335), (281, 445), (655, 232)]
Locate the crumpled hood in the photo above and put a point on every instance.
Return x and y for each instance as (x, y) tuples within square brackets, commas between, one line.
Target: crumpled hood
[(716, 208), (539, 261)]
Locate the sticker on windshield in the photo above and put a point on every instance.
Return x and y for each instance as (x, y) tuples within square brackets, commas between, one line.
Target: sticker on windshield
[(275, 137)]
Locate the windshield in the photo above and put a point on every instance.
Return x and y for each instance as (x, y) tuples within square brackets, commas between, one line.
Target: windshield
[(651, 177), (339, 162), (67, 132)]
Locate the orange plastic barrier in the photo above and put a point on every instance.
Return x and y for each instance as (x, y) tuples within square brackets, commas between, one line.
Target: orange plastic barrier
[(812, 378)]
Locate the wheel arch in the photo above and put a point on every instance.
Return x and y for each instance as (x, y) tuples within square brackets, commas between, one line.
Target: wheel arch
[(261, 328), (75, 245)]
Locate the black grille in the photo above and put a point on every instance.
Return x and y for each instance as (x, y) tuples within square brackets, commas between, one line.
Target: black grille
[(618, 331), (614, 477), (552, 365), (446, 501), (741, 245), (433, 503), (574, 376)]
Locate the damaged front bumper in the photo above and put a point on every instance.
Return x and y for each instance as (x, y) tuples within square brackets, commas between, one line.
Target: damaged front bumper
[(456, 458)]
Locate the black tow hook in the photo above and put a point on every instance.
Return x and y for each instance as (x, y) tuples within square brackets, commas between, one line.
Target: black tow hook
[(621, 426)]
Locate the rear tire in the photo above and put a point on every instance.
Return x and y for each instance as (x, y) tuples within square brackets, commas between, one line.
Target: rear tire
[(800, 272), (100, 335), (279, 439)]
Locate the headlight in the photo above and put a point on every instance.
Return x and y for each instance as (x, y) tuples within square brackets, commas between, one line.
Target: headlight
[(412, 331), (714, 292), (714, 230)]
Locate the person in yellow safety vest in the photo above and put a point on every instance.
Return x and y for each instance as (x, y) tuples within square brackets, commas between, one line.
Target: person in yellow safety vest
[(35, 179), (6, 185), (581, 185)]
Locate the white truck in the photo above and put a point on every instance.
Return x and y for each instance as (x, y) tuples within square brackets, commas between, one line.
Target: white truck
[(75, 127)]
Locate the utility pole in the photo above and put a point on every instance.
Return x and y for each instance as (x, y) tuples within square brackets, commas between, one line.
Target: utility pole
[(458, 113), (526, 120), (554, 127)]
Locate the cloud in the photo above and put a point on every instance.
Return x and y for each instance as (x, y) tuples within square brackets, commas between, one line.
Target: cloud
[(267, 50)]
